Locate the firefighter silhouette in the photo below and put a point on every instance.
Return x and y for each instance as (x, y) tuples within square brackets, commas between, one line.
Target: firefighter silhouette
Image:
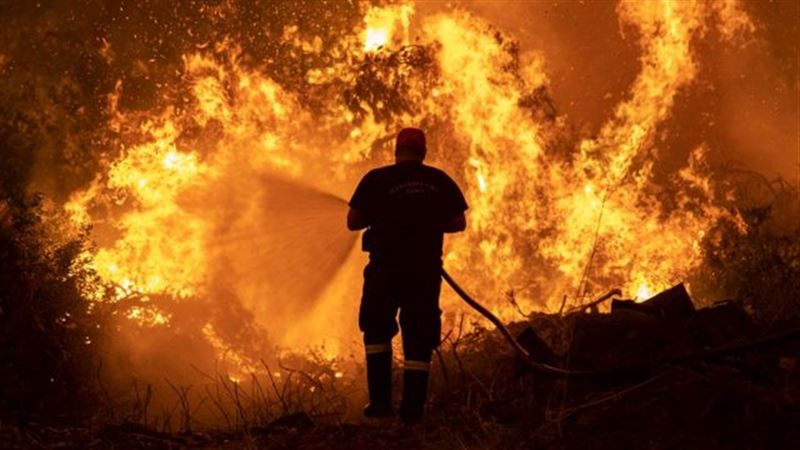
[(406, 208)]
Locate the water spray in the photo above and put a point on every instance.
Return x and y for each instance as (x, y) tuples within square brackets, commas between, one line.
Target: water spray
[(482, 310), (559, 372)]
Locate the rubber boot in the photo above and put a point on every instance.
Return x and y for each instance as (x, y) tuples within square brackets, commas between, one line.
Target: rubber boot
[(415, 392), (379, 384)]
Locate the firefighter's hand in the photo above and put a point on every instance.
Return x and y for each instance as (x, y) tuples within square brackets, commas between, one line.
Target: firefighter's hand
[(356, 220)]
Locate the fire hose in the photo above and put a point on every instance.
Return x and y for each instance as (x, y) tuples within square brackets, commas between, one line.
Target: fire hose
[(560, 372), (547, 369), (521, 351)]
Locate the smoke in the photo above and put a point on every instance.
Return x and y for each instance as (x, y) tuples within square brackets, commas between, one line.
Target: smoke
[(759, 92), (201, 140), (279, 276), (745, 102), (276, 244), (590, 63)]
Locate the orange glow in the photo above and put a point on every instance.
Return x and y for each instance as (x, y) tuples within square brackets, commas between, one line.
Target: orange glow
[(384, 25), (643, 293), (544, 221)]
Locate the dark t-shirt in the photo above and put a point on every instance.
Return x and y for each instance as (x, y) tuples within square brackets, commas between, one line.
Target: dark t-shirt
[(406, 205)]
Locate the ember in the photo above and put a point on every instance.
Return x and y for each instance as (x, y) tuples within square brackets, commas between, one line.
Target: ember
[(173, 180), (585, 218)]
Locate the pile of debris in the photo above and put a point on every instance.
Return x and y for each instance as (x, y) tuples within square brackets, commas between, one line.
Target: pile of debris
[(635, 336)]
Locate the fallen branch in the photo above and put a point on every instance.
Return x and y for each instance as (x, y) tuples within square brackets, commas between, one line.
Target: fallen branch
[(595, 303)]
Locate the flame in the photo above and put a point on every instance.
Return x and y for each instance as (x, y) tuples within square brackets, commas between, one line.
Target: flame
[(382, 24), (543, 220), (375, 38), (643, 292), (591, 219), (146, 259)]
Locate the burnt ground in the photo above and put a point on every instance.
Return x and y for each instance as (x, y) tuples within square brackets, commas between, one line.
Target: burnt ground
[(484, 396), (691, 407)]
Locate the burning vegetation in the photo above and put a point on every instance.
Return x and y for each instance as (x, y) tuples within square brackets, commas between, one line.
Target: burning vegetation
[(172, 232)]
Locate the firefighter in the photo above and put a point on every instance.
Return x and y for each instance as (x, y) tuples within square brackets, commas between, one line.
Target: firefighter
[(406, 208)]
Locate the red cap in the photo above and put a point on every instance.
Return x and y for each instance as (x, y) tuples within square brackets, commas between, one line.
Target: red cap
[(412, 139)]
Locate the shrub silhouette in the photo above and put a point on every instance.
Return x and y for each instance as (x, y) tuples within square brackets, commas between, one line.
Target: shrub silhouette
[(49, 335)]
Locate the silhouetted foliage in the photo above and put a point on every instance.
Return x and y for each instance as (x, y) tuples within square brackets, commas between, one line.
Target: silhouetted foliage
[(760, 266), (48, 334)]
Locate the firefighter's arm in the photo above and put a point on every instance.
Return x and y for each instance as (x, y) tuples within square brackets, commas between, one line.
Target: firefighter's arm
[(356, 220), (455, 224)]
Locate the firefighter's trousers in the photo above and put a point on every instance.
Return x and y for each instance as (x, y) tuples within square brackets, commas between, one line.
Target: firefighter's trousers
[(413, 289)]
